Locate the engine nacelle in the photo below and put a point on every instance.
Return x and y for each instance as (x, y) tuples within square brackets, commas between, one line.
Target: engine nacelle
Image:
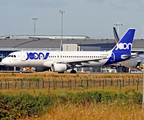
[(58, 67)]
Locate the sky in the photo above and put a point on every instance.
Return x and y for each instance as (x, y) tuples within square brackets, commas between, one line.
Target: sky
[(93, 18)]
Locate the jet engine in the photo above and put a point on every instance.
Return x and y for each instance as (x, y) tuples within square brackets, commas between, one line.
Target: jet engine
[(56, 67)]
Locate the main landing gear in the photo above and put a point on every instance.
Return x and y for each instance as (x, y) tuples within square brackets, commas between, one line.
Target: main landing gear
[(73, 71)]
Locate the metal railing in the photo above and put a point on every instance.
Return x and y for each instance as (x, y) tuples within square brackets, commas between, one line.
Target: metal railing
[(70, 83)]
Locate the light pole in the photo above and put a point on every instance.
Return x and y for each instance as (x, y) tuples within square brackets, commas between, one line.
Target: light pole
[(118, 24), (62, 12), (34, 19)]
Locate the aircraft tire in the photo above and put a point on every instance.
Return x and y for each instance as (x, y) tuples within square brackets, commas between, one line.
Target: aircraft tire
[(73, 71), (60, 72)]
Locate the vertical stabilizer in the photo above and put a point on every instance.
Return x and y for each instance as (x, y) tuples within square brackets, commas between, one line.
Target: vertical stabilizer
[(122, 51), (116, 37)]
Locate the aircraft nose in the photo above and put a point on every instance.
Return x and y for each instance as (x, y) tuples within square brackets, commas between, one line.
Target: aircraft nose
[(5, 61)]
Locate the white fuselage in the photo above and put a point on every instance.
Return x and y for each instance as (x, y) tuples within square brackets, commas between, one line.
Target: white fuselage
[(59, 61), (132, 63), (24, 58)]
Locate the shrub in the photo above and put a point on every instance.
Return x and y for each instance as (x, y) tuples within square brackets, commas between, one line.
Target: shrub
[(17, 106)]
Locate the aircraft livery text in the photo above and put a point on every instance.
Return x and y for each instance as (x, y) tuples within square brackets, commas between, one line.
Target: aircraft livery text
[(36, 56)]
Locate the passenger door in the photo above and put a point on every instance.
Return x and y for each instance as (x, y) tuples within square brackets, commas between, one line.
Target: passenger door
[(23, 56)]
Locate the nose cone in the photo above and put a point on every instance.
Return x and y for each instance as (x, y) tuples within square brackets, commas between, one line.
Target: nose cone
[(5, 61)]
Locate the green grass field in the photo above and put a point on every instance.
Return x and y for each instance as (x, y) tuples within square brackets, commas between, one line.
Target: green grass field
[(99, 101)]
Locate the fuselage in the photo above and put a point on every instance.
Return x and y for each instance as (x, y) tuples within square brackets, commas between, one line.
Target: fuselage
[(59, 61), (47, 58), (133, 63)]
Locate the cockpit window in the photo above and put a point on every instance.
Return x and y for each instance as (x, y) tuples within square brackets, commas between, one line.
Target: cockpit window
[(13, 56)]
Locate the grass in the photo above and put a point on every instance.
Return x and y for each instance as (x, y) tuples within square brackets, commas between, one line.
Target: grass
[(117, 110), (69, 110), (58, 81), (75, 90), (94, 111), (51, 76)]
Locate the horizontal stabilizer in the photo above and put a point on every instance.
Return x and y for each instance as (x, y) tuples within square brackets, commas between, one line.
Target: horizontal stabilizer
[(133, 55)]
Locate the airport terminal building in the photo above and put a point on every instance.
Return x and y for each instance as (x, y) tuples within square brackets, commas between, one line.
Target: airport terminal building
[(10, 44)]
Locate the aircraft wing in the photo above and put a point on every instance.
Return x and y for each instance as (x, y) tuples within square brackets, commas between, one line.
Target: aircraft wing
[(73, 62), (80, 61)]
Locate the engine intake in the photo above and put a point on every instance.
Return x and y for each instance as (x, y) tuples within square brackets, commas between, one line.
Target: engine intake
[(58, 67)]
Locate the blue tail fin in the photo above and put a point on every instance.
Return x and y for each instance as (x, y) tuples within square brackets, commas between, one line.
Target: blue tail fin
[(125, 44), (122, 51)]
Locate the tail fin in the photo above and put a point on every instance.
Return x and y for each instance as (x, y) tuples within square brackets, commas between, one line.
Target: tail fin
[(116, 37), (122, 51), (125, 44)]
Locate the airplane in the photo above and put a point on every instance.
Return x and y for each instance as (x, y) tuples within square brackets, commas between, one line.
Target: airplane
[(115, 36), (135, 62), (60, 61)]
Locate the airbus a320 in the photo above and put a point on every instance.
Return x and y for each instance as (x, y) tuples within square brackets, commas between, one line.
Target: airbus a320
[(60, 61)]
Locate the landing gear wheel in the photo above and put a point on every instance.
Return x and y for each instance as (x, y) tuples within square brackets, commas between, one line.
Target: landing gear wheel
[(72, 71), (21, 70), (60, 72)]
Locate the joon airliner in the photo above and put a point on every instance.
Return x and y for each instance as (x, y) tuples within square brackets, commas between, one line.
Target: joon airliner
[(60, 61)]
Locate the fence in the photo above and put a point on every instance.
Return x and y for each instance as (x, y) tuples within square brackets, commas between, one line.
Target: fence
[(70, 83)]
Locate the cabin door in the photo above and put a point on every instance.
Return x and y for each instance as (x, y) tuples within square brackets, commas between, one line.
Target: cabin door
[(23, 56)]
